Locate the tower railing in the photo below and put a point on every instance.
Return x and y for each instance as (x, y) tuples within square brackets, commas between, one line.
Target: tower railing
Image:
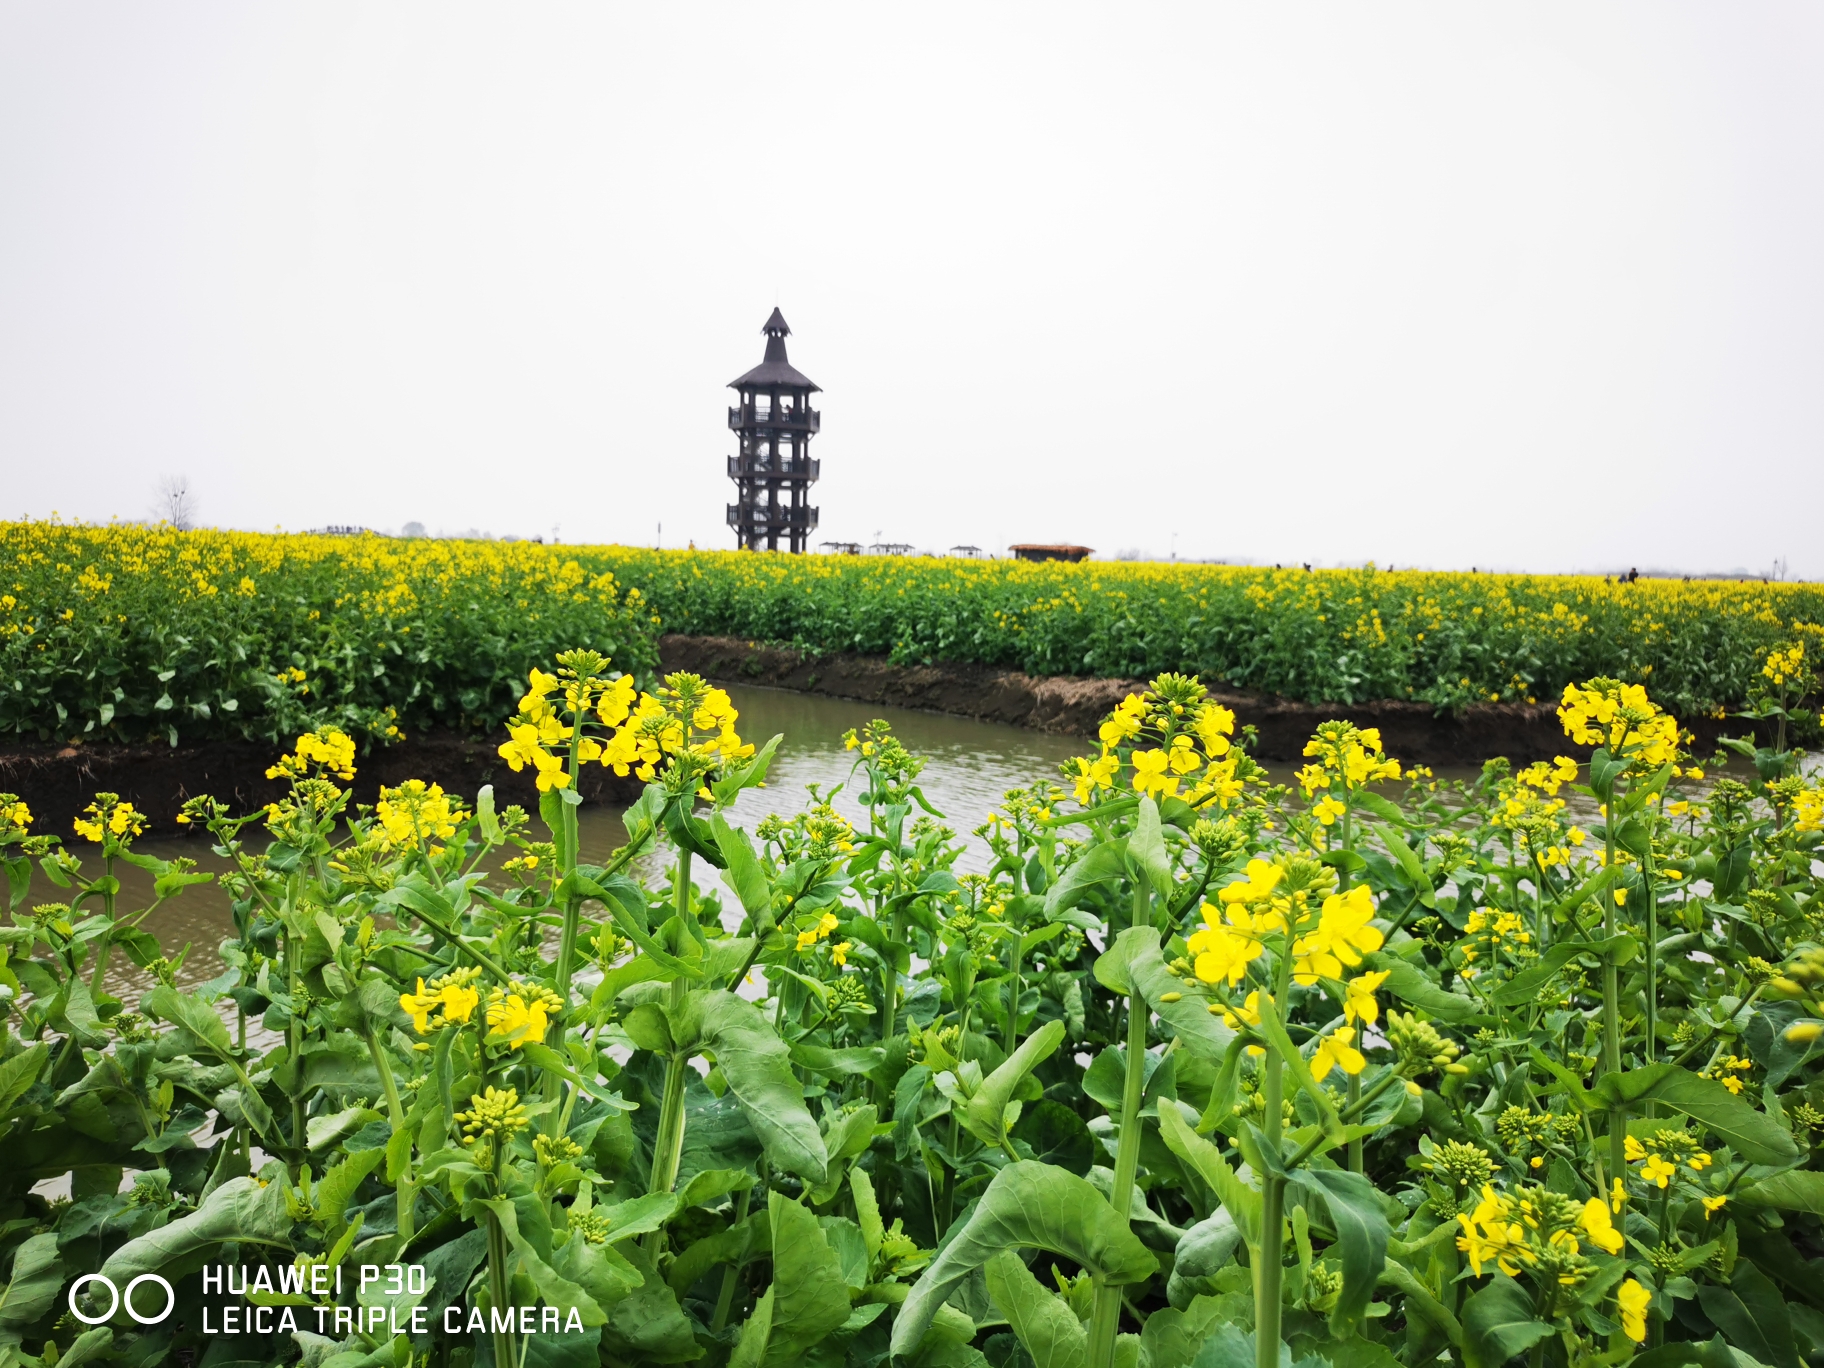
[(768, 468), (765, 516), (785, 419)]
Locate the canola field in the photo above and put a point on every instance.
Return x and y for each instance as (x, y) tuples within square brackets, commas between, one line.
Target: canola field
[(129, 633), (1332, 636), (132, 633)]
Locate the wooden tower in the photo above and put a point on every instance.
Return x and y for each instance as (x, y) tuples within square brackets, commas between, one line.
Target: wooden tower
[(773, 473)]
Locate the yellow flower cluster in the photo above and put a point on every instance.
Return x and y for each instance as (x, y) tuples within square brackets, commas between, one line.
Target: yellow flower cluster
[(521, 1013), (1515, 1230), (808, 940), (1786, 666), (1660, 1155), (449, 995), (1347, 756), (1256, 906), (1190, 735), (327, 749), (15, 816), (416, 812), (1606, 712), (1808, 810), (107, 819)]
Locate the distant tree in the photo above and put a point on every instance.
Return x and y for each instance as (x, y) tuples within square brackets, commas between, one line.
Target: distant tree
[(174, 502), (412, 529)]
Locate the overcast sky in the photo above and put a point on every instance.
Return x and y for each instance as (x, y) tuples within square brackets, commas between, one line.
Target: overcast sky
[(1536, 286)]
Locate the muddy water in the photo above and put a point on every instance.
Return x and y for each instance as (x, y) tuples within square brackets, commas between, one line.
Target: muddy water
[(970, 765)]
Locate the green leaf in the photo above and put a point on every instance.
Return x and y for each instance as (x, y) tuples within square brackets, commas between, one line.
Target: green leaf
[(742, 872), (625, 902), (553, 1287), (750, 1349), (1410, 864), (867, 1210), (758, 1068), (333, 1194), (1361, 1232), (1047, 1328), (241, 1210), (198, 1018), (1409, 984), (37, 1278), (1027, 1206), (1276, 1036), (1146, 849), (1755, 1136), (20, 1072), (1101, 864), (1238, 1199), (1799, 1190), (1498, 1323), (1752, 1313), (986, 1111), (810, 1298)]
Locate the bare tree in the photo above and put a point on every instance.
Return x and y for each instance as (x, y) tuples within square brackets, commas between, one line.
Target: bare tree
[(174, 503)]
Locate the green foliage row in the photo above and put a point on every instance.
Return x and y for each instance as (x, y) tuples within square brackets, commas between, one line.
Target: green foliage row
[(129, 633), (1344, 636)]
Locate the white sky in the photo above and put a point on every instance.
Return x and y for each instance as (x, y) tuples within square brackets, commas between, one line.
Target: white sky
[(1538, 286)]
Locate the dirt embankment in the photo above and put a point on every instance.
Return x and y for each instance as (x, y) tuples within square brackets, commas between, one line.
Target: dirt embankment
[(1074, 707), (57, 782)]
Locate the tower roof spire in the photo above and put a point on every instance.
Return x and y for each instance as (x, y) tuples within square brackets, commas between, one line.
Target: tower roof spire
[(774, 369)]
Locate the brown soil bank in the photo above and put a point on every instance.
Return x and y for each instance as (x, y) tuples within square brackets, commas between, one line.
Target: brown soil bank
[(1074, 707), (57, 782)]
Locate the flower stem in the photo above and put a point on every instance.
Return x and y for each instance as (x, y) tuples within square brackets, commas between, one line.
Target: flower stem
[(1105, 1318), (668, 1142), (1611, 1005)]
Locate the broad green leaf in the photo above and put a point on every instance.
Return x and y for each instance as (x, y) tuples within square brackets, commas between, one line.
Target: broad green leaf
[(555, 1289), (1146, 849), (1799, 1190), (1099, 865), (986, 1110), (1410, 864), (1238, 1199), (750, 1349), (1752, 1313), (20, 1072), (241, 1210), (1754, 1135), (867, 1210), (1047, 1328), (1409, 984), (198, 1018), (647, 1325), (1498, 1323), (333, 1194), (1295, 1065), (742, 872), (1203, 1251), (37, 1279), (810, 1297), (851, 1059), (1361, 1233), (758, 1068), (1027, 1206)]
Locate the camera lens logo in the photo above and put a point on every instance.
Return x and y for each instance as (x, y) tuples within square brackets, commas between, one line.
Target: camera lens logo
[(118, 1297)]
